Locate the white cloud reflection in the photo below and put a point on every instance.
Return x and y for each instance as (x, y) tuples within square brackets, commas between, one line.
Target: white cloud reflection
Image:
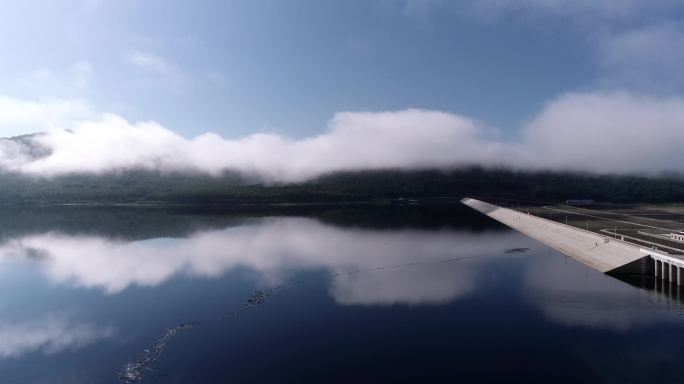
[(50, 334), (272, 248), (412, 286), (572, 294)]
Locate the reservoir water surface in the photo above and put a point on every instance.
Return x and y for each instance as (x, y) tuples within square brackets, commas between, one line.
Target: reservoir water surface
[(315, 295)]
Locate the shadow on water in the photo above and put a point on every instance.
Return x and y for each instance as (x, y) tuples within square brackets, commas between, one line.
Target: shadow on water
[(663, 288)]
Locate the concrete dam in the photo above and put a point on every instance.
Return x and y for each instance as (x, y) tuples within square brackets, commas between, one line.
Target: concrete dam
[(607, 251)]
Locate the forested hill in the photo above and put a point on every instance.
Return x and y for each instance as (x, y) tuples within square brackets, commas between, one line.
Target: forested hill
[(187, 188)]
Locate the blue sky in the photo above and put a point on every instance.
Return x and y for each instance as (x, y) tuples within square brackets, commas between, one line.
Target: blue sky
[(239, 68)]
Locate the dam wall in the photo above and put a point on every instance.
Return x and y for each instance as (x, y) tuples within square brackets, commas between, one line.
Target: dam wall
[(605, 254)]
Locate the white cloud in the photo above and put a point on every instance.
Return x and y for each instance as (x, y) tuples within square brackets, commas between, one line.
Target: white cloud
[(50, 334), (73, 81), (648, 57), (638, 43), (611, 132), (111, 143), (150, 62), (608, 132), (19, 117), (166, 70), (580, 12), (81, 73), (577, 9), (354, 141)]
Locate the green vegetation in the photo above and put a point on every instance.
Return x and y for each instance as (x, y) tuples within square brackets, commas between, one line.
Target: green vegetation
[(146, 187)]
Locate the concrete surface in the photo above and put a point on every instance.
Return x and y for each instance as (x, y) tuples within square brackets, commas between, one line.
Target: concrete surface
[(602, 253)]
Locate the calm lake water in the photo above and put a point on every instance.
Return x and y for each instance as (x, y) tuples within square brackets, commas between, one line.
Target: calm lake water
[(344, 295)]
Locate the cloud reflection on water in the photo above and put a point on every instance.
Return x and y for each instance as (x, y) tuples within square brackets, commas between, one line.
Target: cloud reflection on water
[(572, 294), (49, 334), (427, 284), (273, 248)]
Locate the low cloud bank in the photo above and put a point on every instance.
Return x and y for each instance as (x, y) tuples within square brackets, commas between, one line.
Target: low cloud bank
[(610, 132), (614, 132)]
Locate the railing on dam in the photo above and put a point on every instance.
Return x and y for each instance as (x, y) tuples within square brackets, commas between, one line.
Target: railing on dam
[(667, 267)]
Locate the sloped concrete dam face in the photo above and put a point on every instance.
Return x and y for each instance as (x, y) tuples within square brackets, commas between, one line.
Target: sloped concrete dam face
[(604, 254)]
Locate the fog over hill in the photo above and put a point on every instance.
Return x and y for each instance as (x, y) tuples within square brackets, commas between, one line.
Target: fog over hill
[(605, 132), (581, 145)]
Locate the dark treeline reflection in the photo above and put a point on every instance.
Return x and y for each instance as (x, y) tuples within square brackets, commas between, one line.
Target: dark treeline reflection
[(142, 223)]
